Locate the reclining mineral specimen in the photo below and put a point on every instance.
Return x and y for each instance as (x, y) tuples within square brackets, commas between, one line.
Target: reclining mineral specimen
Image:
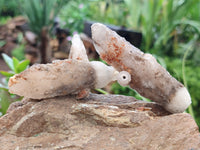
[(148, 77), (63, 77)]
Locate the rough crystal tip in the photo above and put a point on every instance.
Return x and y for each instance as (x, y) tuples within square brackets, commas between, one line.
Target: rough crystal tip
[(78, 51), (99, 33), (180, 102)]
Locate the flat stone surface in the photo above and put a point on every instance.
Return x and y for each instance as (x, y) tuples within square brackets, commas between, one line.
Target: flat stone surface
[(109, 122)]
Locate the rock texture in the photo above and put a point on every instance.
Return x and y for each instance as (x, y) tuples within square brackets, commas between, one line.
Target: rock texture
[(99, 122)]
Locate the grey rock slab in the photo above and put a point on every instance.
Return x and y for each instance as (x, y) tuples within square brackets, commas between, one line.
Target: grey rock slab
[(111, 122)]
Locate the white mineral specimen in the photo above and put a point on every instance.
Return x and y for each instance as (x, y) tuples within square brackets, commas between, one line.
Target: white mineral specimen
[(123, 78), (60, 78), (180, 101), (63, 77), (148, 77), (104, 74), (77, 50)]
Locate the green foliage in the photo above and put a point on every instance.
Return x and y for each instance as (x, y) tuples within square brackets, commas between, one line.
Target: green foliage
[(108, 11), (18, 52), (174, 17), (101, 91), (161, 21), (74, 14), (40, 13), (9, 8), (134, 15), (4, 20), (4, 102), (2, 43), (192, 78), (16, 66), (8, 61), (117, 89)]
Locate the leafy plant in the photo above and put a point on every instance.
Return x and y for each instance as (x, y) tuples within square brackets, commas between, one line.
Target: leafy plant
[(5, 101), (40, 15), (162, 21), (16, 66), (189, 74), (2, 43), (9, 8), (18, 52), (174, 16), (190, 109), (74, 14), (4, 20), (134, 15), (108, 11)]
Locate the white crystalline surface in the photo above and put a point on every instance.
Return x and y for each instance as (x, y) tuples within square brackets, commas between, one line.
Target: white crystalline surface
[(148, 77), (123, 78), (104, 74), (78, 51), (180, 101)]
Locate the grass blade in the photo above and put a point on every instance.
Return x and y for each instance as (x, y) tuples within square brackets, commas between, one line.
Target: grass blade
[(8, 61), (22, 66)]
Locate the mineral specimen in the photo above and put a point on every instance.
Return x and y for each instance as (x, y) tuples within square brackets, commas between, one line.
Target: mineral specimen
[(148, 77), (63, 77)]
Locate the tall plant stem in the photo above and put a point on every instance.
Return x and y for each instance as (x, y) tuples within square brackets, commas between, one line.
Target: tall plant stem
[(101, 91), (190, 109)]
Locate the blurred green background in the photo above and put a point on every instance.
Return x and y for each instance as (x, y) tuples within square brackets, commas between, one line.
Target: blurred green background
[(170, 31)]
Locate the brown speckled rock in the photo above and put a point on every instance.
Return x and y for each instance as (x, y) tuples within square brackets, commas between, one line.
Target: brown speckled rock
[(109, 122)]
